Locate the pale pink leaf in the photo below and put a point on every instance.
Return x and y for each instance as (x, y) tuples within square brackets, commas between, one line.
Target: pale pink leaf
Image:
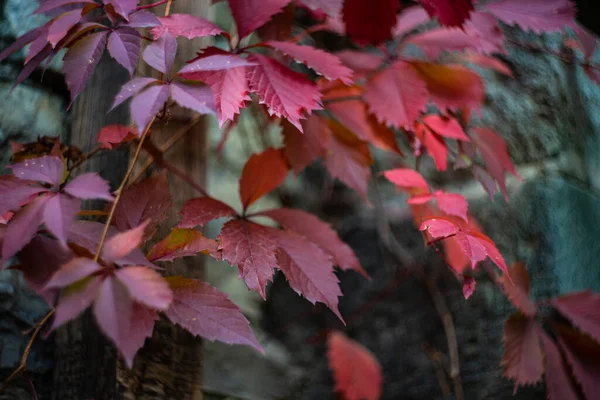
[(406, 178), (123, 243), (252, 14), (81, 60), (131, 88), (47, 169), (148, 103), (146, 286), (124, 46), (202, 210), (89, 186), (73, 271), (198, 98), (160, 54), (539, 16), (75, 300), (409, 19), (59, 213), (188, 26), (22, 227)]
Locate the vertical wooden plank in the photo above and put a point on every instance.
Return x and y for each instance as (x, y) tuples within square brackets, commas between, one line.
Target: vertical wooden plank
[(170, 364), (85, 362)]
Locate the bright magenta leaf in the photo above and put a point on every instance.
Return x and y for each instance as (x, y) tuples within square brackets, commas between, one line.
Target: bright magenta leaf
[(16, 193), (582, 309), (452, 204), (262, 173), (140, 328), (252, 248), (369, 24), (522, 359), (207, 312), (182, 243), (356, 371), (286, 93), (202, 210), (212, 59), (252, 14)]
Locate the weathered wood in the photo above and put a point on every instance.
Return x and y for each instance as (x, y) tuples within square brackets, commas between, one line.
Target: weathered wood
[(170, 364), (85, 360)]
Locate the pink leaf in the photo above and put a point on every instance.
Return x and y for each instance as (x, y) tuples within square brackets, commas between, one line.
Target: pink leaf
[(124, 46), (148, 200), (356, 371), (409, 19), (202, 210), (308, 269), (81, 60), (539, 16), (146, 286), (522, 359), (75, 300), (47, 169), (130, 89), (435, 145), (89, 186), (143, 19), (359, 61), (140, 328), (59, 27), (449, 12), (333, 8), (326, 64), (160, 54), (188, 26), (147, 104), (123, 243), (49, 5), (473, 248), (22, 227), (582, 309), (207, 312), (252, 248), (517, 291), (252, 14), (559, 385), (59, 213), (123, 7), (436, 41), (112, 136), (452, 204), (397, 95), (468, 287), (183, 243), (15, 193), (406, 178), (286, 93), (319, 232), (446, 127), (369, 24), (420, 199), (73, 271), (198, 98), (439, 228)]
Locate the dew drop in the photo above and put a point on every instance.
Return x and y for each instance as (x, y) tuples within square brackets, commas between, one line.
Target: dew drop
[(91, 60)]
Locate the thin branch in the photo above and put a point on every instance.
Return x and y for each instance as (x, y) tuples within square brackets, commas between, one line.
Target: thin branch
[(446, 316), (184, 177), (341, 99), (147, 6), (436, 359), (121, 187), (168, 8), (86, 157)]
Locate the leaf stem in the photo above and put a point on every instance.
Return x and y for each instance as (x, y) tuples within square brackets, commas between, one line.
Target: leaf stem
[(121, 187), (152, 5)]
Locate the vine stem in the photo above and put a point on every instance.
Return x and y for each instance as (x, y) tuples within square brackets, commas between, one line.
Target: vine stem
[(121, 187), (152, 5)]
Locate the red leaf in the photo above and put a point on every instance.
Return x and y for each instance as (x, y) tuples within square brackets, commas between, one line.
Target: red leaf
[(449, 12), (141, 326), (252, 247), (539, 16), (188, 26), (202, 210), (397, 95), (147, 104), (582, 309), (439, 228), (319, 232), (286, 93), (252, 14), (81, 60), (348, 159), (351, 113), (452, 203), (308, 269), (207, 312), (491, 251), (369, 24), (435, 145), (324, 63), (160, 54), (517, 291), (406, 178), (124, 46), (451, 86), (559, 385), (197, 98), (262, 173), (356, 371), (446, 127), (468, 286), (112, 136), (182, 243), (301, 149), (148, 200), (522, 359), (582, 354), (146, 287), (123, 243)]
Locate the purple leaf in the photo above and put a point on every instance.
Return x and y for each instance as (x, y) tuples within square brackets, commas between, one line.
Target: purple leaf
[(123, 7), (131, 88), (124, 46), (20, 42), (59, 28), (73, 271), (89, 186), (113, 311), (38, 44), (141, 326), (59, 214), (160, 54), (47, 169), (215, 62), (81, 59), (22, 227), (15, 192), (146, 104), (76, 299), (146, 286), (123, 243), (143, 19), (32, 65), (188, 26), (197, 98), (52, 4)]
